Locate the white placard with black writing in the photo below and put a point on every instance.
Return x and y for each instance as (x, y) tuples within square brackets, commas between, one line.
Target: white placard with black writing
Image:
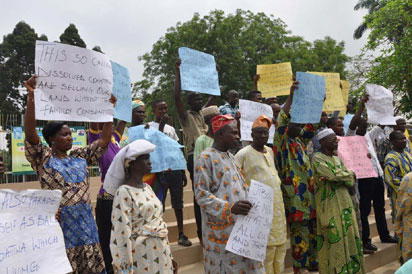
[(380, 105), (250, 233), (249, 112), (30, 236), (74, 84)]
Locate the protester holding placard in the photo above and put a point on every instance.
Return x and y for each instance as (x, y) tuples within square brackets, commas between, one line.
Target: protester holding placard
[(170, 180), (104, 201), (298, 186), (257, 163), (193, 125), (139, 240), (370, 189), (398, 163), (339, 244), (68, 172), (221, 191)]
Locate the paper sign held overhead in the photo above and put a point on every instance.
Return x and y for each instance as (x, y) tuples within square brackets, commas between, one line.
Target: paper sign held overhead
[(74, 84), (334, 100), (249, 112), (379, 105), (31, 238), (198, 72), (168, 154), (275, 79), (122, 90), (353, 151), (308, 99), (250, 233)]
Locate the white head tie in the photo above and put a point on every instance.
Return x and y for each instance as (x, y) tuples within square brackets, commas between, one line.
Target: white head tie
[(325, 132), (115, 175)]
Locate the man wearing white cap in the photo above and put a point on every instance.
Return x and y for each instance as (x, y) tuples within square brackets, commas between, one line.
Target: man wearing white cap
[(338, 240)]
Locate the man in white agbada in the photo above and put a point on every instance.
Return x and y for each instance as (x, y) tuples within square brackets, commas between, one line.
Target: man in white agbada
[(138, 242)]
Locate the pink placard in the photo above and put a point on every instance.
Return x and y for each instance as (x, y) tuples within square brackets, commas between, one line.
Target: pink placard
[(353, 150)]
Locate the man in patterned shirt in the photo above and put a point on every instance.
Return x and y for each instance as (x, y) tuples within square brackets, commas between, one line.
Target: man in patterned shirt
[(220, 191), (232, 105)]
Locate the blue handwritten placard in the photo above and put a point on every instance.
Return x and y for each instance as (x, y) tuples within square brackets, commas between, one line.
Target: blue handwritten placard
[(308, 98), (198, 72), (123, 91), (168, 153)]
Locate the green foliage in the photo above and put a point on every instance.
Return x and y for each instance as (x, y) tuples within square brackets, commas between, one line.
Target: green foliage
[(98, 49), (16, 65), (239, 42), (371, 6), (391, 37), (71, 36)]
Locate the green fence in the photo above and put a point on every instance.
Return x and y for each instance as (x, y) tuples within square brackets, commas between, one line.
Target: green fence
[(7, 122)]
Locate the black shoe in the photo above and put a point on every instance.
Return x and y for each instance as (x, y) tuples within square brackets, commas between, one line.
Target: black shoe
[(368, 251), (389, 239), (370, 246), (183, 240)]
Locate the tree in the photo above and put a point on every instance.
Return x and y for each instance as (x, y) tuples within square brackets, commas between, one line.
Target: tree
[(371, 6), (98, 49), (16, 65), (391, 37), (239, 42), (71, 36)]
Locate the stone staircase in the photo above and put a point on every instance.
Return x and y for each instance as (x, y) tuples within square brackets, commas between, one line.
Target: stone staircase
[(190, 258)]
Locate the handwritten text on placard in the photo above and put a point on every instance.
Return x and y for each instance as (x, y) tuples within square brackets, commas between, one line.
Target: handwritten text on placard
[(249, 112), (334, 99), (250, 233), (123, 91), (198, 72), (74, 84), (353, 151), (275, 79), (31, 238), (308, 98), (380, 105)]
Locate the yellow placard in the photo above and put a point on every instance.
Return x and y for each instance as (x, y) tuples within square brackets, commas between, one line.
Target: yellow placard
[(275, 79), (334, 99), (345, 90)]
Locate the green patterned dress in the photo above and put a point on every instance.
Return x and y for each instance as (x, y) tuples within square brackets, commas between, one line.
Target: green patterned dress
[(339, 245)]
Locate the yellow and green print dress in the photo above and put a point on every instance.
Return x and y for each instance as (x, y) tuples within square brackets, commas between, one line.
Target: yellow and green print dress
[(338, 242)]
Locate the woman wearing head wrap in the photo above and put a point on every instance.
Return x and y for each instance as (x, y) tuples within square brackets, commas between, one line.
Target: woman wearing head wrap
[(257, 163), (57, 169), (138, 116), (338, 241), (139, 242)]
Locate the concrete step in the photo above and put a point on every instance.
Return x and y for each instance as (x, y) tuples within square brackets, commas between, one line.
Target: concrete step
[(386, 269), (187, 255), (188, 213)]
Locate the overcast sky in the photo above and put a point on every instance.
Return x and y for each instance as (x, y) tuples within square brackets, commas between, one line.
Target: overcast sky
[(126, 29)]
